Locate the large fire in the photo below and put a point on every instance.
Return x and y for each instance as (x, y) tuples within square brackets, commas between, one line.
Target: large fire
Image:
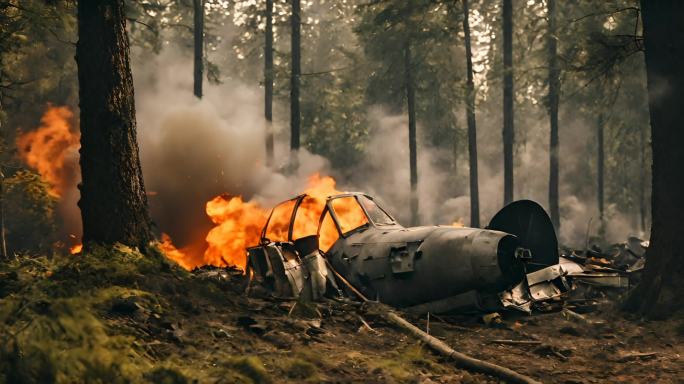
[(238, 225), (51, 149)]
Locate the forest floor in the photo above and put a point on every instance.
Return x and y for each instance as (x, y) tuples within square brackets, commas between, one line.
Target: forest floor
[(116, 316)]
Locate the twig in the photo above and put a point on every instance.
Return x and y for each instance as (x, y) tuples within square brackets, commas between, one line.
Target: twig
[(366, 325), (514, 342)]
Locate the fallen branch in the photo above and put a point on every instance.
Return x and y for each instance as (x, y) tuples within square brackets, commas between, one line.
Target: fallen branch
[(461, 359), (437, 345), (514, 342)]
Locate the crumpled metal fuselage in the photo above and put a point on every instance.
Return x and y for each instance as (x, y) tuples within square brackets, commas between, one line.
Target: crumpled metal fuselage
[(409, 266)]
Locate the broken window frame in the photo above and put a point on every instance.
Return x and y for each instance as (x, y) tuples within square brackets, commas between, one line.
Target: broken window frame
[(297, 200), (329, 208)]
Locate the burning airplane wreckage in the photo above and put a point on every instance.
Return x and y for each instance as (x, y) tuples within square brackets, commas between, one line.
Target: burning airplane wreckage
[(350, 245)]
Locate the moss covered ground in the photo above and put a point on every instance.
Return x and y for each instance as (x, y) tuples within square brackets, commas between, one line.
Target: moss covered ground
[(114, 315)]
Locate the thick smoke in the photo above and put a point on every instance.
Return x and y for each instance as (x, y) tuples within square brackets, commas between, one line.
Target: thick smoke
[(193, 150)]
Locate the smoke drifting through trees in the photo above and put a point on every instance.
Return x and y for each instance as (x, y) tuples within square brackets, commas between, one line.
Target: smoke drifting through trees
[(194, 150)]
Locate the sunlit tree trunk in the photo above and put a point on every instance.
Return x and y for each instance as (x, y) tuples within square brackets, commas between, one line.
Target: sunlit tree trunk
[(508, 129), (198, 6), (296, 71), (268, 82), (472, 128), (554, 96), (411, 105), (660, 292), (113, 201)]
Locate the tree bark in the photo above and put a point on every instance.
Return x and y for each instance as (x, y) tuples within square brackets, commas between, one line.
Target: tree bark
[(600, 164), (508, 129), (642, 179), (296, 71), (554, 97), (660, 292), (411, 105), (3, 241), (113, 201), (472, 128), (268, 82), (198, 6)]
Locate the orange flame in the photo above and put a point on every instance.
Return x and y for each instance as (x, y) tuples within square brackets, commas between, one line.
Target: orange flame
[(46, 149), (76, 249), (238, 225)]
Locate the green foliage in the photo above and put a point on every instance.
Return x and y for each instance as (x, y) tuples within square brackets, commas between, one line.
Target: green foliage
[(29, 212)]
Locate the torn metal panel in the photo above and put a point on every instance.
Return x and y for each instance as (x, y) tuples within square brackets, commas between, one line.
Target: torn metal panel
[(614, 280), (518, 298)]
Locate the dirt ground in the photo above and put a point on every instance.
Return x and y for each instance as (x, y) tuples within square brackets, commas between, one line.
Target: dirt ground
[(329, 342), (121, 317)]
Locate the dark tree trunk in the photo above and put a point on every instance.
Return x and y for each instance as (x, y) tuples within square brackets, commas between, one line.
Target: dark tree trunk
[(472, 128), (3, 241), (268, 82), (642, 179), (411, 105), (508, 130), (600, 164), (198, 29), (113, 201), (295, 117), (554, 96), (660, 292)]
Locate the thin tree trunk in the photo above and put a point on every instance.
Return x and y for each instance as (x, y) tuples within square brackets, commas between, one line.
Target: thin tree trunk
[(113, 201), (411, 104), (660, 292), (472, 128), (642, 179), (296, 71), (268, 82), (198, 6), (3, 241), (508, 129), (554, 96), (600, 164)]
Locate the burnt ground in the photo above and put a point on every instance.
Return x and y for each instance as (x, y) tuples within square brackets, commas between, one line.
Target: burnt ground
[(117, 316)]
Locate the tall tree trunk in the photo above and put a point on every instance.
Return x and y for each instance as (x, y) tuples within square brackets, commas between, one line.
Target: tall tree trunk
[(508, 129), (268, 82), (198, 29), (296, 71), (642, 179), (411, 105), (660, 292), (600, 164), (3, 241), (554, 96), (472, 128), (113, 201)]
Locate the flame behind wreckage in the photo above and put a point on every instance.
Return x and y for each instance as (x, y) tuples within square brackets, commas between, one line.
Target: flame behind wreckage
[(430, 268)]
